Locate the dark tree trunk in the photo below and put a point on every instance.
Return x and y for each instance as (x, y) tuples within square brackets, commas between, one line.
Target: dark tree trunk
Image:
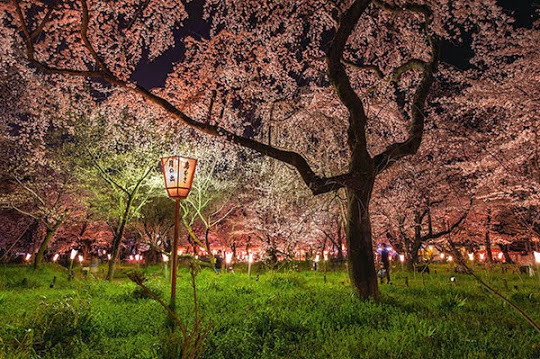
[(487, 240), (340, 244), (504, 250), (361, 261), (43, 247), (413, 255)]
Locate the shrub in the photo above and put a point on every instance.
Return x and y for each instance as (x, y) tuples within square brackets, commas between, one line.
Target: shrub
[(60, 327)]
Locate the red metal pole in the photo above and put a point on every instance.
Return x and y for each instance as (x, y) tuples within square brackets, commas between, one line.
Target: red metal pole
[(174, 255)]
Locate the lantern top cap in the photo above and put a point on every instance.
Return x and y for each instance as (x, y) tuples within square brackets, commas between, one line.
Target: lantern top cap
[(179, 156)]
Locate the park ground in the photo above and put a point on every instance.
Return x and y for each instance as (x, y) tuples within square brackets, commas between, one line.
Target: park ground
[(278, 314)]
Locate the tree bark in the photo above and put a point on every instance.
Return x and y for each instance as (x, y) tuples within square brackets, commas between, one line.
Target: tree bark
[(43, 247), (360, 256), (504, 250), (117, 240), (487, 240)]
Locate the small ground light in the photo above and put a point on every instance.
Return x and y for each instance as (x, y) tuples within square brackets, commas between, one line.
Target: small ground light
[(452, 279), (500, 256), (450, 258), (164, 257), (325, 253), (73, 254), (536, 257), (131, 257), (482, 256), (228, 257), (250, 261), (402, 258), (108, 256), (137, 257), (471, 256), (55, 258), (317, 258), (27, 257), (442, 255), (81, 258)]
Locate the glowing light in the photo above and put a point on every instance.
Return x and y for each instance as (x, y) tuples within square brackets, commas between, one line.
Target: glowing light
[(402, 258), (55, 257), (131, 257), (81, 258), (317, 258), (471, 256), (325, 253), (250, 258), (73, 254), (482, 256), (28, 256), (109, 257), (430, 247), (137, 257), (178, 175), (228, 257), (164, 257), (500, 256), (536, 256), (450, 258), (442, 255), (180, 251)]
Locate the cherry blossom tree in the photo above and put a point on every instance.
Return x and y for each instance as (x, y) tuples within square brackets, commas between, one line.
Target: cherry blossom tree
[(376, 53)]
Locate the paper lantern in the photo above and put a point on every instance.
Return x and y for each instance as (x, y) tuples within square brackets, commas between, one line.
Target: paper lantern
[(178, 175)]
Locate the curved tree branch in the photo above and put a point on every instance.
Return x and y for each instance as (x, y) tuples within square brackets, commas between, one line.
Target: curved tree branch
[(317, 184), (410, 146)]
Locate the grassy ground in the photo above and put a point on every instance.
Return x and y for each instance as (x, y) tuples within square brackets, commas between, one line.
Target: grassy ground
[(282, 315)]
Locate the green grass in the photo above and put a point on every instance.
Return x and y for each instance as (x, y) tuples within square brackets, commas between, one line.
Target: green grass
[(282, 315)]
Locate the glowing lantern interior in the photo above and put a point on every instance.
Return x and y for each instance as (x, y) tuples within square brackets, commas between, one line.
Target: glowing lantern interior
[(178, 174)]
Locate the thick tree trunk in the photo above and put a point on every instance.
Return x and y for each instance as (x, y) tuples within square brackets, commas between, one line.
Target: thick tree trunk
[(359, 244), (43, 247), (413, 254)]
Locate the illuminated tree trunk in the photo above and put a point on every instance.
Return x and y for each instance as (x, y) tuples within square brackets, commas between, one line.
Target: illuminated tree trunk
[(117, 240), (43, 247)]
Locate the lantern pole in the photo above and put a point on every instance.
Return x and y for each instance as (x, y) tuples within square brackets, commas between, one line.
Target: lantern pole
[(175, 255)]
